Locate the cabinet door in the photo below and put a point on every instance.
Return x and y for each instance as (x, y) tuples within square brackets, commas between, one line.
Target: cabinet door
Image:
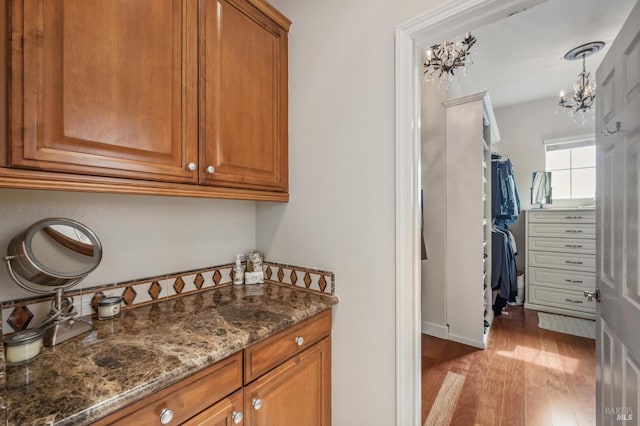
[(227, 412), (105, 87), (243, 104), (296, 393)]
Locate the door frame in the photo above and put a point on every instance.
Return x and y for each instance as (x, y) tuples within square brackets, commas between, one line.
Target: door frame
[(453, 17)]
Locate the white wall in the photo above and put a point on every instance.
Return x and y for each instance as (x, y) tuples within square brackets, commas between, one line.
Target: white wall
[(434, 316), (141, 235), (341, 213), (523, 129)]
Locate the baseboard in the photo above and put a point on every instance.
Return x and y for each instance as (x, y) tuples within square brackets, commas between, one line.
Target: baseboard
[(435, 330), (466, 341)]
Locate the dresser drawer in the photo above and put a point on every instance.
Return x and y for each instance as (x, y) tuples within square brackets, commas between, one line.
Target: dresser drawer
[(186, 398), (561, 298), (559, 230), (563, 245), (565, 261), (570, 280), (263, 356), (563, 216)]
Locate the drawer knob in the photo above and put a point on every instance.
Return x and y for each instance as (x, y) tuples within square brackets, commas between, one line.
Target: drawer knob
[(256, 403), (299, 340), (191, 166), (237, 417), (166, 415), (210, 170)]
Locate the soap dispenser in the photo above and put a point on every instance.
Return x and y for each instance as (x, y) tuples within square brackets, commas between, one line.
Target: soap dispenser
[(238, 272)]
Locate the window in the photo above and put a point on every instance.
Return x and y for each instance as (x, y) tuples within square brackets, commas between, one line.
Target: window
[(572, 163)]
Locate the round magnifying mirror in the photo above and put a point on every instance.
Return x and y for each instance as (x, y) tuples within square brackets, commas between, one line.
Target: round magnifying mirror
[(53, 253)]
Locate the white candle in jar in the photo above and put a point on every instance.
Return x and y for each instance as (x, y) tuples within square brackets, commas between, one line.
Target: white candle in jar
[(23, 346), (109, 307)]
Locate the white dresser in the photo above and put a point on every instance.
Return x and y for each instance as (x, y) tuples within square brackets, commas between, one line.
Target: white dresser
[(561, 261)]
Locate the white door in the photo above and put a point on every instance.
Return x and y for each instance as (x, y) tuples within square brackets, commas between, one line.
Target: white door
[(618, 234)]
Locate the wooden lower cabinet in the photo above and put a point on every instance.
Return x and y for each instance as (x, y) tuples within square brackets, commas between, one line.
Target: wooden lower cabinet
[(296, 393), (294, 389), (224, 413)]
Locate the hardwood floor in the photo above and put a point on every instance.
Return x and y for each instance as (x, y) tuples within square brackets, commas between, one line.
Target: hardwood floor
[(527, 376)]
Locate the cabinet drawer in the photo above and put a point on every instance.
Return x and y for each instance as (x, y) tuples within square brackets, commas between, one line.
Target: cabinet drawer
[(563, 245), (565, 261), (269, 353), (561, 279), (561, 298), (563, 216), (186, 398), (558, 230)]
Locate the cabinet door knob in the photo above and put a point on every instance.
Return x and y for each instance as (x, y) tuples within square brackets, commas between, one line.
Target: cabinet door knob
[(299, 340), (191, 166), (166, 415), (236, 417), (210, 169), (257, 403)]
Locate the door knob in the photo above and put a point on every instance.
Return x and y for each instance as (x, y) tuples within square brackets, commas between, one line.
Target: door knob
[(590, 295), (166, 415), (236, 417)]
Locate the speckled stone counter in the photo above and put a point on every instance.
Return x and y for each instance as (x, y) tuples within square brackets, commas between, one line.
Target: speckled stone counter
[(149, 348)]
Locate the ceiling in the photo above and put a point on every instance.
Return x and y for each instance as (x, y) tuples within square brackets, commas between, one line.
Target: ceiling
[(521, 58)]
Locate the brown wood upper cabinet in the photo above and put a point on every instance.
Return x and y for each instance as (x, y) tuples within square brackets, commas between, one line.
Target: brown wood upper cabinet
[(174, 91)]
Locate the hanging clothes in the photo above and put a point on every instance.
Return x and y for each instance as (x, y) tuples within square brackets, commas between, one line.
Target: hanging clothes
[(503, 266), (505, 199)]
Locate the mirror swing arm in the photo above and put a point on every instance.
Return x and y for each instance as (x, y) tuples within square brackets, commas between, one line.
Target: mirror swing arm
[(33, 275)]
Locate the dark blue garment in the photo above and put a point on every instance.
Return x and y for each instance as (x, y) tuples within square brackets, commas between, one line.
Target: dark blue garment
[(503, 265), (505, 200)]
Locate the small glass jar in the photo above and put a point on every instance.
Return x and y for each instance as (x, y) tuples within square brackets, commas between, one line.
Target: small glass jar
[(109, 307), (23, 347)]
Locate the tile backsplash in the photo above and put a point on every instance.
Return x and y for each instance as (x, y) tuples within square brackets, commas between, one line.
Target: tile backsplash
[(18, 315)]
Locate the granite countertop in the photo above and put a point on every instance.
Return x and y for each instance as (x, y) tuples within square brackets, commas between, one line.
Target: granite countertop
[(149, 348)]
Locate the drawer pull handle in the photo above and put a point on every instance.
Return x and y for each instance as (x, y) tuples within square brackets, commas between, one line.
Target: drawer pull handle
[(236, 417), (573, 301), (256, 403), (299, 340), (573, 217), (166, 415), (573, 262), (573, 245), (573, 281), (574, 231)]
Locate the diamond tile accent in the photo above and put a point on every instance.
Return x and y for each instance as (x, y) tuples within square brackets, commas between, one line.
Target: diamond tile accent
[(307, 280), (129, 295), (20, 318), (217, 276), (280, 274), (154, 290), (268, 272), (322, 283), (178, 285), (198, 281), (294, 277), (95, 299)]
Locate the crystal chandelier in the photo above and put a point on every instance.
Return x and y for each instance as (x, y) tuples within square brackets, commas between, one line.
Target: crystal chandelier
[(584, 89), (443, 60)]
